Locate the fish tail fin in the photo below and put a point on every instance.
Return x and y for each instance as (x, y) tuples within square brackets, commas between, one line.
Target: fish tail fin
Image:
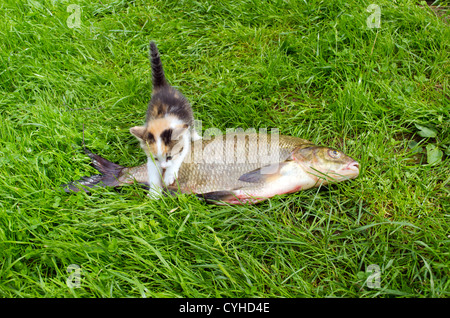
[(109, 175), (158, 77), (103, 165)]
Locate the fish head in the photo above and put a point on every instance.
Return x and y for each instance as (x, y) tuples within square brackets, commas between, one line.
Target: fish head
[(326, 164)]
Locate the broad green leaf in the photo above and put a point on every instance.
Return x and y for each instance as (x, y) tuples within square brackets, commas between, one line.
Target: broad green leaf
[(426, 132), (434, 154), (413, 145)]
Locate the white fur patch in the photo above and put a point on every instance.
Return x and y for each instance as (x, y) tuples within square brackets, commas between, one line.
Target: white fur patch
[(158, 147), (154, 175)]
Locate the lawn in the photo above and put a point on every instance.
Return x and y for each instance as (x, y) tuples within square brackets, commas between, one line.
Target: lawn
[(320, 70)]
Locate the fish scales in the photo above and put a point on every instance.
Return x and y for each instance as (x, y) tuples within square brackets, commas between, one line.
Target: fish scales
[(215, 169), (231, 168)]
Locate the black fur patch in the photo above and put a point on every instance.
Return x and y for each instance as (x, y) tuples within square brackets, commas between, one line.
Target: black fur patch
[(150, 137), (166, 136), (159, 79), (169, 101)]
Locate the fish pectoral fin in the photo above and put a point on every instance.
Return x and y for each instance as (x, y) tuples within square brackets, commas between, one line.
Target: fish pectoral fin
[(264, 174), (216, 195)]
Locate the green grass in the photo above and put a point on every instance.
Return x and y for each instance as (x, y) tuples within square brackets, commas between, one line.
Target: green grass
[(313, 69)]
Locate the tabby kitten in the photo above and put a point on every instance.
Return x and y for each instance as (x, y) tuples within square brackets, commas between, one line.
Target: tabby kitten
[(168, 130)]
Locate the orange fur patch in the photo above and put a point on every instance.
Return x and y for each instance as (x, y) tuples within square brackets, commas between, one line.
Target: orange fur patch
[(156, 127)]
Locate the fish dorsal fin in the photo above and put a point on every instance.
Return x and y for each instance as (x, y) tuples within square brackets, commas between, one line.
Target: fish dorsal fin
[(265, 173)]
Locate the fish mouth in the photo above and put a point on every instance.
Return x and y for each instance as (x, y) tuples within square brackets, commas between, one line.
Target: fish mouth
[(354, 165), (352, 169)]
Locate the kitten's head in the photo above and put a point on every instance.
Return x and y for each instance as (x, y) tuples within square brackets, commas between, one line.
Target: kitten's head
[(161, 139)]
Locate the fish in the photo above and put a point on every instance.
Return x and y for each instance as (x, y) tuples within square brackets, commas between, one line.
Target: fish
[(236, 168)]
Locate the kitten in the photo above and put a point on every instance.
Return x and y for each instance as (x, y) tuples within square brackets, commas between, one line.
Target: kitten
[(168, 130)]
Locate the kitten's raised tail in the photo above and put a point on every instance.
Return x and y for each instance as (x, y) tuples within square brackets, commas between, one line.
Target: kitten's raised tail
[(159, 79)]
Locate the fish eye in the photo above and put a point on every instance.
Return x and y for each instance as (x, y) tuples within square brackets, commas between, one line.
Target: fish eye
[(334, 153)]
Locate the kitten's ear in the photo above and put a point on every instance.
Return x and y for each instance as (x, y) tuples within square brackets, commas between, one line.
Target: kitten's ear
[(138, 132), (178, 131)]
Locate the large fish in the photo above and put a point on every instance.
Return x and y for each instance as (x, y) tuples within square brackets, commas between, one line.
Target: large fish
[(238, 168)]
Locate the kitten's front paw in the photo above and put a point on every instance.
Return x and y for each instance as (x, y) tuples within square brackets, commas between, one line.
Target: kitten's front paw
[(169, 178), (195, 136)]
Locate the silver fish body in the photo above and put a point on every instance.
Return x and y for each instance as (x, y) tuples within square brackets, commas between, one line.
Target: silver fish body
[(240, 168)]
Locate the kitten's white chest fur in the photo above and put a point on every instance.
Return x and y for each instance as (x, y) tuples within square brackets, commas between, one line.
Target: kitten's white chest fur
[(154, 177)]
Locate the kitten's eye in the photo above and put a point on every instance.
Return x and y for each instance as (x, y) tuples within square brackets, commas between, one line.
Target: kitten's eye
[(169, 158)]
